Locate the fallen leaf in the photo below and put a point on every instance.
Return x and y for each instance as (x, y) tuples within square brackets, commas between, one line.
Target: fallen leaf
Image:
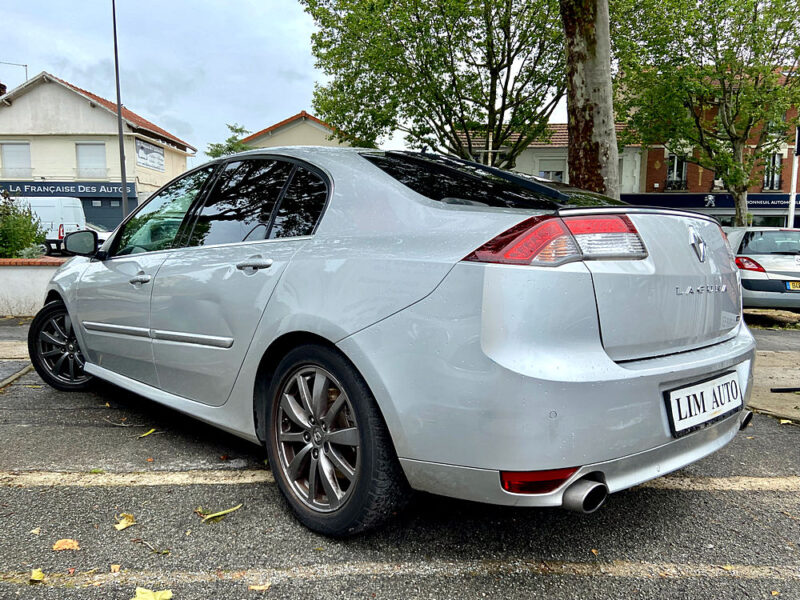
[(115, 568), (149, 460), (595, 552), (37, 576), (215, 516), (71, 570), (188, 532), (36, 531), (776, 593), (124, 521), (33, 387), (145, 594), (66, 544), (259, 588), (785, 421), (224, 457), (147, 433), (97, 471), (108, 405), (727, 567)]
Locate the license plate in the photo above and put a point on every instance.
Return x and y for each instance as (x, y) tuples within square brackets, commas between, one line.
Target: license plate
[(793, 285), (695, 406)]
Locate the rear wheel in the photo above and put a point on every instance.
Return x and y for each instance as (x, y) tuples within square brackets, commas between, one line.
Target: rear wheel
[(328, 445), (54, 349)]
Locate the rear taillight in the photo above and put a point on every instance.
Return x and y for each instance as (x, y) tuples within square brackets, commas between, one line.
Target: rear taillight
[(535, 482), (551, 241), (61, 231), (748, 264)]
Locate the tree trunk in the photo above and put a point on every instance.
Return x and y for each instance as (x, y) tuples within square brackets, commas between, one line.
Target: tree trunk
[(740, 202), (593, 156)]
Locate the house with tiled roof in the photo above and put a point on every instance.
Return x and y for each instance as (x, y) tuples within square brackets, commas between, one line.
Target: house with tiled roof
[(57, 139), (302, 129)]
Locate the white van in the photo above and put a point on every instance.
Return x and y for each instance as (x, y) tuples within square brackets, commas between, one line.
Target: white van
[(59, 216)]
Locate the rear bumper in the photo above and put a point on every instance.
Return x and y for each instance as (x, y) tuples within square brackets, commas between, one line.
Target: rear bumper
[(476, 379), (483, 485), (768, 293)]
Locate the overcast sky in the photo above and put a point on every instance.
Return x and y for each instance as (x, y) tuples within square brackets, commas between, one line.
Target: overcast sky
[(188, 66)]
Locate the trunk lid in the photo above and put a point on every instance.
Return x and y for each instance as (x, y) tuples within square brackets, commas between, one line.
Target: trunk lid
[(678, 298)]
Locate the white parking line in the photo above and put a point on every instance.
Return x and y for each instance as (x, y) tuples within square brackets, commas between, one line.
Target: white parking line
[(71, 479), (246, 476), (434, 568)]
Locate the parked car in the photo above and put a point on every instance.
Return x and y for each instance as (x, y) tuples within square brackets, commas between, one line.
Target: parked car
[(59, 215), (387, 321), (102, 232), (769, 262)]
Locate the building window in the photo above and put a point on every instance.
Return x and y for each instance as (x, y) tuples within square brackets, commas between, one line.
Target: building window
[(91, 160), (16, 160), (552, 168), (676, 173), (772, 172)]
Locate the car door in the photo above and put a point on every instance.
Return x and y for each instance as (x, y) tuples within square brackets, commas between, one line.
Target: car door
[(113, 295), (208, 298)]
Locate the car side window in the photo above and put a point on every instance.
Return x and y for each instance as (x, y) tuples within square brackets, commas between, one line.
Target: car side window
[(301, 205), (155, 225), (242, 202)]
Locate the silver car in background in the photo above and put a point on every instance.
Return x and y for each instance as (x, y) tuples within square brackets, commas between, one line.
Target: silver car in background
[(388, 321), (769, 262)]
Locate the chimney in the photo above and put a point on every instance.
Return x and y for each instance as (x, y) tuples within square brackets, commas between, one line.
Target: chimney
[(3, 88)]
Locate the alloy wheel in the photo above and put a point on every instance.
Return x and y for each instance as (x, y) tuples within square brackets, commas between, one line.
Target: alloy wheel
[(59, 351), (317, 439)]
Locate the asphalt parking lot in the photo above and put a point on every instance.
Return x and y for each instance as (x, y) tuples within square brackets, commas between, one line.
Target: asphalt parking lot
[(71, 464)]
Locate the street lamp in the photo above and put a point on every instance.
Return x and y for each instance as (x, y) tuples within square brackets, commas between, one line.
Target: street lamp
[(119, 116)]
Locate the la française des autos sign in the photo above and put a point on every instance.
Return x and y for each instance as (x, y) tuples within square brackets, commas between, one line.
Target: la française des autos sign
[(80, 189)]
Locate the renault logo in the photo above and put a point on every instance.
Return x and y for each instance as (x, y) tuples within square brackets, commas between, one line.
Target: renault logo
[(698, 244)]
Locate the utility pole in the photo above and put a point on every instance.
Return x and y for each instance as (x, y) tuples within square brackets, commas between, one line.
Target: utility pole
[(119, 116), (793, 187)]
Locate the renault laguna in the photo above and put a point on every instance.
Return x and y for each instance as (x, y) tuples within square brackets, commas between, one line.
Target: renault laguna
[(383, 322)]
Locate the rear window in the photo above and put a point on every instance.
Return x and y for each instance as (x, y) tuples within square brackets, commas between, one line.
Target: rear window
[(446, 181), (454, 181), (770, 242)]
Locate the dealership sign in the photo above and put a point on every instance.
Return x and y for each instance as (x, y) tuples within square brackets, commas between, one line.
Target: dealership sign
[(80, 189)]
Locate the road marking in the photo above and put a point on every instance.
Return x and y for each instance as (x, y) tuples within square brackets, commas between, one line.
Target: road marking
[(726, 484), (216, 477), (248, 476), (621, 569)]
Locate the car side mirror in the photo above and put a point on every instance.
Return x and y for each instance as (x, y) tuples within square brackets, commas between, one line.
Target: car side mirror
[(81, 243)]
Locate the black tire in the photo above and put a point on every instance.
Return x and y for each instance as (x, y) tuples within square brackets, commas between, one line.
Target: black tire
[(378, 488), (54, 350)]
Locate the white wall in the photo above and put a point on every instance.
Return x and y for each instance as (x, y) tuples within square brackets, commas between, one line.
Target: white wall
[(22, 289)]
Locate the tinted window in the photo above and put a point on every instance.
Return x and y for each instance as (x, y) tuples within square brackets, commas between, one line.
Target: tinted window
[(241, 204), (771, 242), (155, 225), (441, 179), (301, 206)]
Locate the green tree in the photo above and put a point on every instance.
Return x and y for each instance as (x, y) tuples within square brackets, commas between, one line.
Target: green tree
[(474, 78), (232, 145), (711, 79), (593, 153), (19, 228)]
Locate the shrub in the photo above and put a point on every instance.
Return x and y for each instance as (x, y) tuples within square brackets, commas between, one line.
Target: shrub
[(19, 229)]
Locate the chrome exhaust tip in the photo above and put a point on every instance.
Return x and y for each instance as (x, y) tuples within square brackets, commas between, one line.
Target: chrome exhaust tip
[(585, 496), (748, 416)]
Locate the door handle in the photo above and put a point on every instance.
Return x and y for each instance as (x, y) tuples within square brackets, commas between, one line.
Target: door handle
[(254, 264), (140, 279)]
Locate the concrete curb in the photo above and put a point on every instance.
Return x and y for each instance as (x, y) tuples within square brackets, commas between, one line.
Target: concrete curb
[(15, 376)]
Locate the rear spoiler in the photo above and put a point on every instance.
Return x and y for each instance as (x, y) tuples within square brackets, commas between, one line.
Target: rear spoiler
[(677, 212)]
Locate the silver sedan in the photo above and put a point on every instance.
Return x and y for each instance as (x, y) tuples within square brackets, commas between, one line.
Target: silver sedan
[(383, 322)]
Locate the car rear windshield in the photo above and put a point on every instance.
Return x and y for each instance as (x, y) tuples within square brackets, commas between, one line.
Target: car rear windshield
[(455, 181), (771, 242)]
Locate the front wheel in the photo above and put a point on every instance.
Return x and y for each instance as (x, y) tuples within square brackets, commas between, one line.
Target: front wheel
[(54, 349), (328, 445)]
